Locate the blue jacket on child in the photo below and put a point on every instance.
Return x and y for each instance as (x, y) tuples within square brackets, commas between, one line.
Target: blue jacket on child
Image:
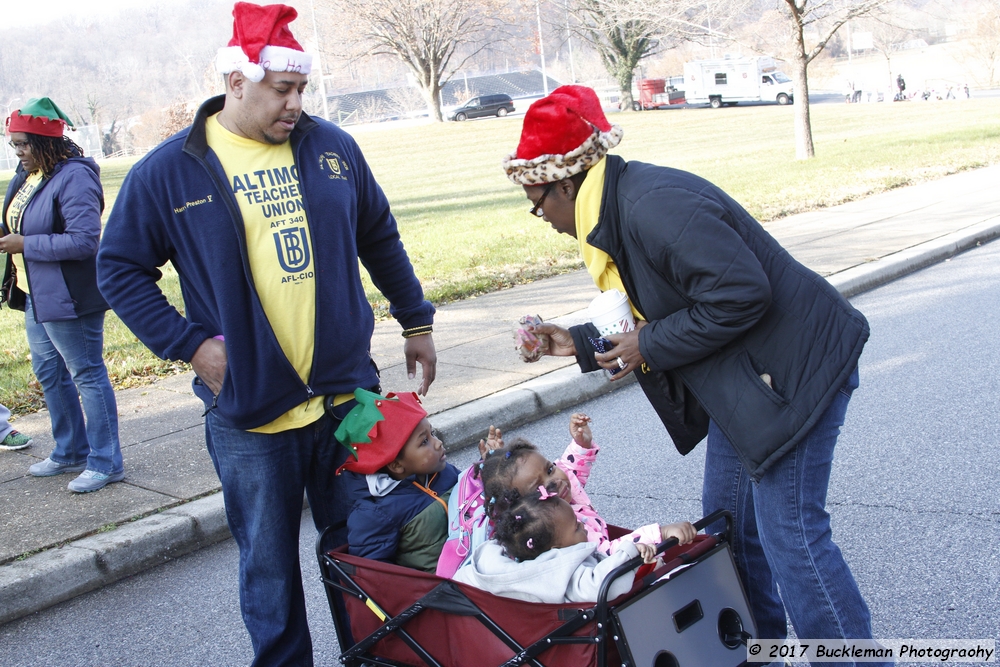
[(378, 519)]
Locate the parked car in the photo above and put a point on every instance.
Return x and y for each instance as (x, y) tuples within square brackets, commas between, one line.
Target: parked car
[(483, 105)]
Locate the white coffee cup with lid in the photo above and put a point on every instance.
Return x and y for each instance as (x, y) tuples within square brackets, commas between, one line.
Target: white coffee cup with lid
[(611, 313)]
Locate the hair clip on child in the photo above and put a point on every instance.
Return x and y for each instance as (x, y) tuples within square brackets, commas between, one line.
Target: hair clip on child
[(543, 493)]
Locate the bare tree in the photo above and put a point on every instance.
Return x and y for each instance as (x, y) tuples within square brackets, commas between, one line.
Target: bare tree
[(887, 35), (175, 118), (623, 32), (621, 37), (407, 101), (131, 61), (433, 38), (373, 109), (984, 41), (826, 17)]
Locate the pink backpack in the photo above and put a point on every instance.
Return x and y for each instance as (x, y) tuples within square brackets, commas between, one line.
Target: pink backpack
[(468, 525)]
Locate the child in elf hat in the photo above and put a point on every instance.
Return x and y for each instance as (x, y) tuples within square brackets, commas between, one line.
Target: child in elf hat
[(540, 552), (399, 479)]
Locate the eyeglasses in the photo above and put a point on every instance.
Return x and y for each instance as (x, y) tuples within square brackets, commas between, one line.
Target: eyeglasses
[(16, 145), (536, 210)]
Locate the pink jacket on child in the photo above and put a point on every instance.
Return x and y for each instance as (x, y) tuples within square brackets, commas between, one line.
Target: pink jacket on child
[(576, 462)]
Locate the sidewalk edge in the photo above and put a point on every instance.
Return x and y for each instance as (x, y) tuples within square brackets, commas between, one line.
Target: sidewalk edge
[(60, 574), (865, 277)]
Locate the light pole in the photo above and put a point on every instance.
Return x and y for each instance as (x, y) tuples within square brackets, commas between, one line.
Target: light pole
[(322, 81), (7, 154), (11, 103), (541, 48), (569, 41)]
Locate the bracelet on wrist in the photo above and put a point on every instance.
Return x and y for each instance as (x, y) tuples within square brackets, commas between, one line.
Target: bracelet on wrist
[(417, 331)]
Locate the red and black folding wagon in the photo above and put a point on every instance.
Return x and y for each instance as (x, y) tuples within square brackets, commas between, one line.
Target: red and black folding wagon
[(691, 611)]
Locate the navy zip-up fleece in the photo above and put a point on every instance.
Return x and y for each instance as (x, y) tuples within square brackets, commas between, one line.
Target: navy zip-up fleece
[(176, 206)]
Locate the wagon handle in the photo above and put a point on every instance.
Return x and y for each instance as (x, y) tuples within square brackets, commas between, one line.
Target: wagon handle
[(715, 516), (321, 546), (663, 546), (602, 596)]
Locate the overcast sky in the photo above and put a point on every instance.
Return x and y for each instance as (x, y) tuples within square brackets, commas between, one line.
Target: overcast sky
[(17, 14)]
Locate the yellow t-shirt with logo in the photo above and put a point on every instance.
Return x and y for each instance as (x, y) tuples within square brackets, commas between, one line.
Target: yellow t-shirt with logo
[(14, 211), (265, 181)]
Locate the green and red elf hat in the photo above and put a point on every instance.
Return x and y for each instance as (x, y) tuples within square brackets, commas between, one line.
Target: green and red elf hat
[(39, 116), (376, 429)]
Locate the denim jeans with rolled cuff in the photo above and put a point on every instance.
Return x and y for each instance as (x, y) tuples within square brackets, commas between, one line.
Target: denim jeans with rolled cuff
[(5, 427), (263, 477), (68, 359), (783, 538)]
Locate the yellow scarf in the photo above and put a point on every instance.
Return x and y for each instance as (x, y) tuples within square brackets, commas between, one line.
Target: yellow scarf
[(599, 264)]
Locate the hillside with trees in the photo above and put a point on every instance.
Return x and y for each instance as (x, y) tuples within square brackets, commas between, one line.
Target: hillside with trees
[(139, 74)]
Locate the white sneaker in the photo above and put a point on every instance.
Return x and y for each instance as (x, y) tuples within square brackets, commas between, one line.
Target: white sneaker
[(48, 467), (90, 480)]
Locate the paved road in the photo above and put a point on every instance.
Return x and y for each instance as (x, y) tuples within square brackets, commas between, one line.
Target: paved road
[(913, 496)]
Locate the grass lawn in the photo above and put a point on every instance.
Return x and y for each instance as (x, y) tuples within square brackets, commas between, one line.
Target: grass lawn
[(466, 226)]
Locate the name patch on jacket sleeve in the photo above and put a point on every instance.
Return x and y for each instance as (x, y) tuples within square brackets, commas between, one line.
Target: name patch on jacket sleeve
[(207, 199)]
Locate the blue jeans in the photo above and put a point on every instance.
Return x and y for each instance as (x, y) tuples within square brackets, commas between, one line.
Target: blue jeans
[(783, 536), (263, 477), (67, 358), (5, 427)]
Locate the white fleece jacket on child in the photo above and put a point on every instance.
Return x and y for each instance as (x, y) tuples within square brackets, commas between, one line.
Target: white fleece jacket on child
[(570, 574)]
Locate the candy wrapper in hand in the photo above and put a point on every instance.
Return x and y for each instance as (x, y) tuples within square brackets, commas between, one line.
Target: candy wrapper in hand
[(527, 344), (602, 345)]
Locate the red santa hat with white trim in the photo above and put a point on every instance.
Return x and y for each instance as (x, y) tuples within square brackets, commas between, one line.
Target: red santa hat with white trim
[(563, 134), (262, 41)]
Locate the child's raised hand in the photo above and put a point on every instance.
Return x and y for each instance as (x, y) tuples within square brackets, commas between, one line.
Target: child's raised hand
[(579, 429), (683, 531), (647, 551), (494, 440)]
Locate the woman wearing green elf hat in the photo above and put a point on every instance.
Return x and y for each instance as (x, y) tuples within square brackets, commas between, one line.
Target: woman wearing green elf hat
[(51, 226)]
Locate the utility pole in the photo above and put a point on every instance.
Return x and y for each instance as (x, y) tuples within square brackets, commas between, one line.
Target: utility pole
[(322, 81), (569, 41), (711, 41), (850, 62), (541, 48)]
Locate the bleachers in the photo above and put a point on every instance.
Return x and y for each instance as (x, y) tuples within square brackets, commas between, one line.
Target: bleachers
[(372, 106)]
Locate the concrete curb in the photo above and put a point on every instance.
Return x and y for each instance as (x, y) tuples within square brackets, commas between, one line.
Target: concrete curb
[(60, 574), (866, 277)]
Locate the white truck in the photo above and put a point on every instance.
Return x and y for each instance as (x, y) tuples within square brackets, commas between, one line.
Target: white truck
[(729, 80)]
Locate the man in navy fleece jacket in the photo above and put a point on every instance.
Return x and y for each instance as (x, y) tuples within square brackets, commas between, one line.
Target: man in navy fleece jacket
[(264, 213)]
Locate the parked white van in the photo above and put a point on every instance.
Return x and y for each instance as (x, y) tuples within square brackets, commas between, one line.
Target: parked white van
[(729, 80)]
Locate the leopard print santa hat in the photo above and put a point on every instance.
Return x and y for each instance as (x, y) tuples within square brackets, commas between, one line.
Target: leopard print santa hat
[(563, 134)]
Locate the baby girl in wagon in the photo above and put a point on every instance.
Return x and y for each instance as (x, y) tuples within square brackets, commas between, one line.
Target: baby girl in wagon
[(546, 529)]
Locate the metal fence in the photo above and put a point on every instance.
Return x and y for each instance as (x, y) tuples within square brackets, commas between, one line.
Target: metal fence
[(371, 106), (88, 137)]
